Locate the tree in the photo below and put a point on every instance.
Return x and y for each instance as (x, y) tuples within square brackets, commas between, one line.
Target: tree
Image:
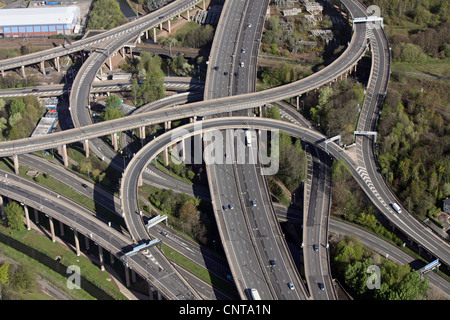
[(24, 278), (14, 216), (4, 273), (17, 106)]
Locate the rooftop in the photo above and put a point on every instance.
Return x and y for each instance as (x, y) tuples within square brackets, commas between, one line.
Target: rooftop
[(38, 16)]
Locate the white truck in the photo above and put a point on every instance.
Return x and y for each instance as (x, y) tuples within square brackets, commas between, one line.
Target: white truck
[(248, 138), (254, 294), (396, 207)]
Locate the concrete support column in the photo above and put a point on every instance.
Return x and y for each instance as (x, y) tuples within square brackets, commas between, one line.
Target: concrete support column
[(86, 242), (22, 69), (139, 38), (133, 276), (142, 134), (77, 242), (204, 5), (111, 256), (86, 147), (52, 229), (3, 73), (36, 216), (298, 103), (160, 26), (42, 65), (16, 163), (2, 207), (110, 63), (260, 111), (27, 217), (100, 258), (64, 155), (122, 52), (168, 125), (151, 291), (146, 34), (168, 25), (57, 64), (188, 17), (127, 277), (114, 141), (154, 36), (166, 156), (61, 228)]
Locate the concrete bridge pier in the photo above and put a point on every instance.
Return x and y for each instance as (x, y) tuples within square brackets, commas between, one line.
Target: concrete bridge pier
[(100, 257), (188, 17), (133, 276), (57, 67), (160, 26), (111, 256), (86, 147), (22, 69), (168, 26), (61, 228), (142, 135), (2, 208), (114, 141), (3, 73), (168, 125), (86, 242), (16, 163), (36, 216), (42, 67), (77, 242), (127, 277), (154, 36), (64, 155), (27, 217), (166, 156), (52, 228)]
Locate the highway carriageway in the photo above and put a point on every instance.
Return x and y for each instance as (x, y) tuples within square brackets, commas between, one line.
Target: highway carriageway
[(178, 84), (138, 163), (161, 275), (141, 24)]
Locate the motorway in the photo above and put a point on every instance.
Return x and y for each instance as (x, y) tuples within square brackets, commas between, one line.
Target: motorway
[(177, 84), (418, 232), (257, 253)]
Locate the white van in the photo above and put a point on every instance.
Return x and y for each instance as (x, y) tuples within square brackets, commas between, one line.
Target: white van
[(396, 207)]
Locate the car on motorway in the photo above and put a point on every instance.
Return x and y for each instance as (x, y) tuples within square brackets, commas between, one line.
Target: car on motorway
[(249, 25), (241, 64), (225, 73), (242, 50), (396, 207), (224, 207), (231, 206), (316, 247), (321, 286), (35, 89), (164, 233), (236, 74), (272, 262), (291, 286), (84, 185), (253, 203), (216, 68)]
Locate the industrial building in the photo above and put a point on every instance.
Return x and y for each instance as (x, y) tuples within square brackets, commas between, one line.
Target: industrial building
[(38, 22)]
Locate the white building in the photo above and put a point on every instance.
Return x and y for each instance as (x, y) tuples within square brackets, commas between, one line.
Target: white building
[(38, 22)]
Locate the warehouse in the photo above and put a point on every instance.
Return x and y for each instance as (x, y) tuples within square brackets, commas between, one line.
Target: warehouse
[(38, 22)]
